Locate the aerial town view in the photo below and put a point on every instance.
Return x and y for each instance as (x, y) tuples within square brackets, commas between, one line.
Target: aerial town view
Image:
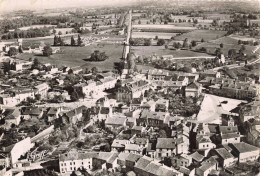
[(130, 88)]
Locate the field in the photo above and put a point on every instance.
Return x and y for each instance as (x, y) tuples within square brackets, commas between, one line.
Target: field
[(153, 34), (197, 35), (243, 70), (35, 26), (160, 51), (229, 43), (75, 56), (63, 30), (165, 26)]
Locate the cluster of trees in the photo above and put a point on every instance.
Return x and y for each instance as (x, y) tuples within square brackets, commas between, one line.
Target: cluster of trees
[(74, 43), (98, 56), (58, 41), (28, 20), (30, 33), (247, 42), (47, 50)]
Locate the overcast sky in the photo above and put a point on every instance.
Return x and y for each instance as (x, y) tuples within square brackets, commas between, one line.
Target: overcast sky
[(7, 5)]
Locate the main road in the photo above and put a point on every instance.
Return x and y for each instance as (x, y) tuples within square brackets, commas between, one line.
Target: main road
[(129, 30)]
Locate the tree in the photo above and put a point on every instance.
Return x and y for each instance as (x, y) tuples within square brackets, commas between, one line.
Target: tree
[(139, 22), (74, 96), (73, 41), (12, 51), (202, 40), (166, 46), (185, 43), (193, 43), (79, 40), (38, 97), (147, 42), (6, 66), (54, 31), (20, 49), (94, 70), (36, 64), (156, 37), (59, 33), (131, 60), (56, 41), (140, 59), (160, 42), (232, 53), (221, 45), (47, 50), (162, 134), (98, 56)]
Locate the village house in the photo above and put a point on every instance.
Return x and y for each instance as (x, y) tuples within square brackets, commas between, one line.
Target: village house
[(119, 145), (245, 152), (74, 115), (132, 90), (226, 159), (131, 160), (154, 119), (53, 113), (204, 142), (42, 90), (31, 112), (234, 89), (207, 166), (105, 160), (181, 160), (11, 117), (193, 90)]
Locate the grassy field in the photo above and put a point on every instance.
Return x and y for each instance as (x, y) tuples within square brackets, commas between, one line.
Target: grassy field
[(75, 56), (229, 43), (197, 35), (162, 26), (243, 70), (153, 34), (35, 26), (160, 51)]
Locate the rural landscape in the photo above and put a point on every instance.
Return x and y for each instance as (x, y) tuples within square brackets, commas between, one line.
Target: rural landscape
[(130, 88)]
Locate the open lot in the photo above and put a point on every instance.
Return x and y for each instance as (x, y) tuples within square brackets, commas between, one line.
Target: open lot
[(75, 56), (212, 108), (160, 51), (197, 35)]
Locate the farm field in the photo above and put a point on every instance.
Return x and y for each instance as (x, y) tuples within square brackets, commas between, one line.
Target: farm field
[(75, 56), (228, 44), (165, 26), (153, 34), (160, 51), (35, 26), (197, 35)]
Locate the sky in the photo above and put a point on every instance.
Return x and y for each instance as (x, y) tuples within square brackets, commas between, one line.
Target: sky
[(9, 5)]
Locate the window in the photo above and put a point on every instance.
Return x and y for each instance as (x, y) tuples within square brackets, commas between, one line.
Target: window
[(74, 163), (235, 138), (70, 168), (82, 163), (64, 164), (61, 164), (70, 163)]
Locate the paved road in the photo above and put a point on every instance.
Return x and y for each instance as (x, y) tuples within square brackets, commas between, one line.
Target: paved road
[(129, 30), (236, 65)]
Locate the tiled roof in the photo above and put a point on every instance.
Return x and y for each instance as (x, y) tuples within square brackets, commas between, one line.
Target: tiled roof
[(166, 143), (243, 147), (224, 153)]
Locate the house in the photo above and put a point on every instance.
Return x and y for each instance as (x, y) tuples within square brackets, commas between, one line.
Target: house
[(141, 164), (16, 96), (131, 160), (42, 89), (116, 121), (161, 105), (204, 142), (154, 119), (196, 157), (150, 151), (73, 160), (230, 138), (119, 145), (53, 113), (105, 160), (133, 148), (245, 152), (74, 115), (187, 171), (226, 159), (209, 73), (131, 90), (193, 90), (12, 117), (165, 147), (156, 74), (137, 130), (182, 160), (31, 112), (207, 166)]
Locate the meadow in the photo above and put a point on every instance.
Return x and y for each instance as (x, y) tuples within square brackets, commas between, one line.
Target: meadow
[(197, 35), (153, 34), (160, 51), (76, 56)]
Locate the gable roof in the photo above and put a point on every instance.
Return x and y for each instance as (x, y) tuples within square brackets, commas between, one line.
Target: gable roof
[(223, 153), (243, 147), (166, 143)]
